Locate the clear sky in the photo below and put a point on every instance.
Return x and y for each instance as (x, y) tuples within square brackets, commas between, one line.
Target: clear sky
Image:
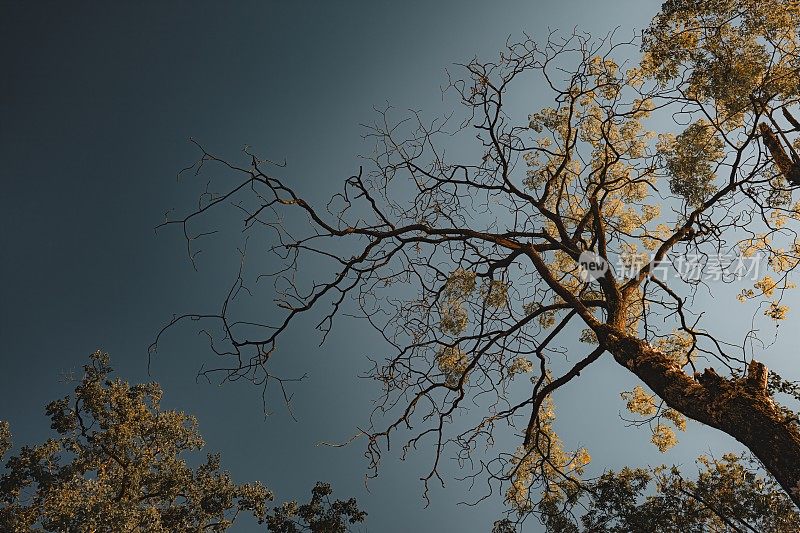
[(97, 101)]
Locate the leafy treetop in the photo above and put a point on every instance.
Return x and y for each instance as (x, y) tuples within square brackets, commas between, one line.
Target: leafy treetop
[(121, 463)]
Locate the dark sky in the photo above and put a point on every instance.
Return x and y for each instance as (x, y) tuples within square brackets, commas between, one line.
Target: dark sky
[(97, 101)]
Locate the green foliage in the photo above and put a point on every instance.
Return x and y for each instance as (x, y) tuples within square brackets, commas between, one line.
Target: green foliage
[(119, 463), (727, 495), (690, 161), (320, 515), (727, 50)]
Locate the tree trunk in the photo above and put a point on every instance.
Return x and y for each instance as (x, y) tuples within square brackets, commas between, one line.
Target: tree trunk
[(741, 408)]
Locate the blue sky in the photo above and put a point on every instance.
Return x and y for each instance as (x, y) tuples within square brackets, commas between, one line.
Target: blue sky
[(98, 101)]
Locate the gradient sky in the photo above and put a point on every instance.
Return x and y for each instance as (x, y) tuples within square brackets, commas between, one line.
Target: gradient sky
[(97, 101)]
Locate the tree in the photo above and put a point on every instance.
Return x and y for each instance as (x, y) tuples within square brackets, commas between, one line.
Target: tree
[(573, 222), (120, 463)]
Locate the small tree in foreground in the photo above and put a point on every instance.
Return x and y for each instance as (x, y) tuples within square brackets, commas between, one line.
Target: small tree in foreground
[(119, 463), (574, 220)]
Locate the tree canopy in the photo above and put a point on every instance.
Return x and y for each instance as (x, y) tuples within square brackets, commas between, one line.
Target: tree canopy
[(482, 244), (121, 463), (727, 495)]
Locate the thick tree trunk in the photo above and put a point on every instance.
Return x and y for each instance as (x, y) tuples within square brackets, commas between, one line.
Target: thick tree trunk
[(739, 407)]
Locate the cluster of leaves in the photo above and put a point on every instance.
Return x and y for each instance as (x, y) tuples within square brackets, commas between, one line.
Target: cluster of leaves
[(121, 463), (728, 495), (726, 51), (689, 161), (319, 515), (545, 464), (639, 402)]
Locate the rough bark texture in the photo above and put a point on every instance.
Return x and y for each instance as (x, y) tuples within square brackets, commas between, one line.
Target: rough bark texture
[(788, 167), (739, 407)]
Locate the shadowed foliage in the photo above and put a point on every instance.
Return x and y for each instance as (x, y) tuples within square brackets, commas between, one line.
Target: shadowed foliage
[(121, 463)]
